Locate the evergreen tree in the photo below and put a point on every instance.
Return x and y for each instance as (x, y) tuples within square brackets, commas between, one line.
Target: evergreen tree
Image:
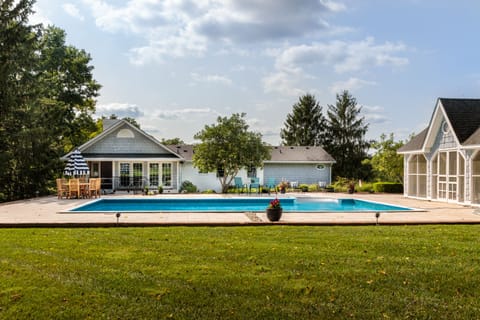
[(345, 137), (305, 125)]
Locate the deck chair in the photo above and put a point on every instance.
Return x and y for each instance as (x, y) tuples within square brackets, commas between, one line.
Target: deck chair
[(271, 184), (62, 189), (74, 188), (239, 185), (254, 183)]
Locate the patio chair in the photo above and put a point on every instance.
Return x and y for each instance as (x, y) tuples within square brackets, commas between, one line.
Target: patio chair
[(239, 185), (73, 188), (92, 188), (62, 189), (99, 187), (271, 184), (254, 183)]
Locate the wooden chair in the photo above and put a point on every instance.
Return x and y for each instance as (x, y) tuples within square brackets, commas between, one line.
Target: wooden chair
[(62, 189), (99, 186), (92, 188), (73, 188)]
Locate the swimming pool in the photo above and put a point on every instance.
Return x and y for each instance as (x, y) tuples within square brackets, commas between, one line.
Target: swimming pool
[(233, 205)]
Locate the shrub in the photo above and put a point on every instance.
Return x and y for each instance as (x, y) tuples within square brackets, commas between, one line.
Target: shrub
[(312, 188), (366, 187), (209, 191), (160, 189), (188, 187), (388, 187), (303, 187)]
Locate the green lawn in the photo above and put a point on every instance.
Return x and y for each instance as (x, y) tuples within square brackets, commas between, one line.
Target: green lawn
[(271, 272)]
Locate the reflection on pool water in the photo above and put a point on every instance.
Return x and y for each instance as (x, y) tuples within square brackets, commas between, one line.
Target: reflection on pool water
[(233, 205)]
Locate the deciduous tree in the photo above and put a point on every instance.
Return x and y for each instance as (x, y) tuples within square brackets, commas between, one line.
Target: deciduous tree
[(387, 165), (227, 147)]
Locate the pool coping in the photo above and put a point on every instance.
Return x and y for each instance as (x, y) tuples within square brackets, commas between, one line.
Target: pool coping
[(42, 212)]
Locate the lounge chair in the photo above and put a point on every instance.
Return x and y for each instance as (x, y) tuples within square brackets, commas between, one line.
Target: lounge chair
[(271, 184), (239, 185), (92, 187), (254, 183)]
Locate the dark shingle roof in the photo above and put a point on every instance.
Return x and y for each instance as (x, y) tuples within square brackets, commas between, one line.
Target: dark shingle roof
[(416, 143), (464, 115), (279, 154)]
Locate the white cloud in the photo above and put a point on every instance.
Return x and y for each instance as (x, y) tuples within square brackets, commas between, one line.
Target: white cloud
[(186, 114), (121, 110), (183, 27), (211, 78), (341, 56), (344, 56), (39, 17), (351, 84), (73, 11), (375, 114)]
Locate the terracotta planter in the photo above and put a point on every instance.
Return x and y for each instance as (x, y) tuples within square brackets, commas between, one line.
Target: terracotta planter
[(274, 214)]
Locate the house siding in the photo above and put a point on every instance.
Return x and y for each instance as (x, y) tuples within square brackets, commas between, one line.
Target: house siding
[(113, 144), (303, 173)]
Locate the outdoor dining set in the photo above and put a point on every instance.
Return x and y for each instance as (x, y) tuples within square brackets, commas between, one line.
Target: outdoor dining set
[(77, 188)]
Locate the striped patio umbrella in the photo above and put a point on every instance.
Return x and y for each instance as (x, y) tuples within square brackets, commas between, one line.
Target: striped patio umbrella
[(76, 165)]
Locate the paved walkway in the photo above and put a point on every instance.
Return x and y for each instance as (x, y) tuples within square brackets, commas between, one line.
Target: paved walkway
[(46, 211)]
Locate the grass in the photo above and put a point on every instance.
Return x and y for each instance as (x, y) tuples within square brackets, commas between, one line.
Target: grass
[(281, 272)]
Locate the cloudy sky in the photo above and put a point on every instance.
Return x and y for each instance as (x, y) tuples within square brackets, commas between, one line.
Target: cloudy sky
[(176, 65)]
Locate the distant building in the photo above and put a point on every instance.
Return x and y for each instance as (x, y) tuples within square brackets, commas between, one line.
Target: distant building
[(126, 157)]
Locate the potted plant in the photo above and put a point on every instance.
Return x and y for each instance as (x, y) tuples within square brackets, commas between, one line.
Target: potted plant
[(274, 210), (160, 189), (351, 187), (282, 186)]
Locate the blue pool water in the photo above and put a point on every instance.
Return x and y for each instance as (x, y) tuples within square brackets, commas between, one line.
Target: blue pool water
[(232, 205)]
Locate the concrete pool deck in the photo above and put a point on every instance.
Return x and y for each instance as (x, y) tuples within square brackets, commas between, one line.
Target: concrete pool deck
[(47, 212)]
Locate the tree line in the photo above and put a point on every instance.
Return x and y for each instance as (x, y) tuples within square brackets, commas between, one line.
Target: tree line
[(47, 94), (342, 133)]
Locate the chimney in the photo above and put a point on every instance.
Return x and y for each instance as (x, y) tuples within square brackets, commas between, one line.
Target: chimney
[(107, 123)]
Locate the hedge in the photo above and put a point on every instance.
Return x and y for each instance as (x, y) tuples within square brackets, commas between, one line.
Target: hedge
[(388, 187)]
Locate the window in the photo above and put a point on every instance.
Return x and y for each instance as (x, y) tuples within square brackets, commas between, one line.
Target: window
[(125, 133), (137, 175), (320, 167), (167, 174), (153, 176), (220, 172), (124, 174)]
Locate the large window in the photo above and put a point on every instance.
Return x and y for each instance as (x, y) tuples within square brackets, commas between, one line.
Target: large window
[(252, 172), (124, 174), (167, 174), (154, 173), (137, 175)]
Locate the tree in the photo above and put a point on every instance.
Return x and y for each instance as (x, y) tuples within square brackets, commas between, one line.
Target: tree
[(228, 146), (173, 141), (46, 101), (305, 126), (345, 137), (387, 165)]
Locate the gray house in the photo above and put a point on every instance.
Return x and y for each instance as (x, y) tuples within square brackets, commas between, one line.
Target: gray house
[(443, 161), (126, 157)]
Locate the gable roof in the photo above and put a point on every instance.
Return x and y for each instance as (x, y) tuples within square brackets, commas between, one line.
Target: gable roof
[(463, 115), (112, 127), (279, 154), (416, 144)]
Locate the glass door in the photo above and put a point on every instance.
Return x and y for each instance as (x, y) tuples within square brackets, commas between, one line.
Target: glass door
[(137, 175), (124, 174)]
